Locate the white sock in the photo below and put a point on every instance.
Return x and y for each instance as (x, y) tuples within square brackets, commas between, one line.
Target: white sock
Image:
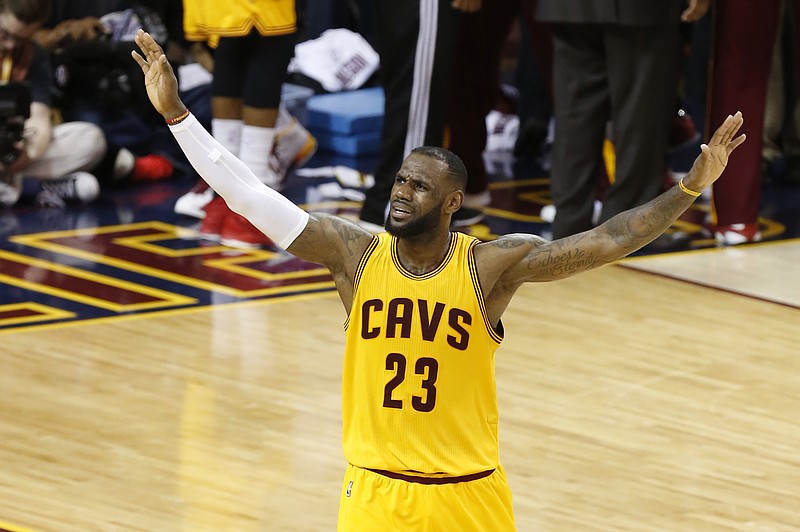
[(228, 132), (268, 210), (256, 147)]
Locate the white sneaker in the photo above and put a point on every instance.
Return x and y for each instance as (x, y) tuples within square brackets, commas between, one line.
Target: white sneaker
[(10, 190), (77, 187), (293, 147), (502, 131), (735, 234), (194, 202), (548, 212), (123, 165)]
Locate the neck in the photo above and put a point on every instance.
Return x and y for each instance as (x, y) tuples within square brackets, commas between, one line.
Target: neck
[(423, 254)]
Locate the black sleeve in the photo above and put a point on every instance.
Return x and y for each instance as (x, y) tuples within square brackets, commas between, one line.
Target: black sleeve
[(40, 75)]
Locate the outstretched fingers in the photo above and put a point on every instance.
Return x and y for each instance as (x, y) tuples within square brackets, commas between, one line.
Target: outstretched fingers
[(149, 47), (736, 142), (143, 57), (139, 60), (151, 54), (734, 125), (728, 129)]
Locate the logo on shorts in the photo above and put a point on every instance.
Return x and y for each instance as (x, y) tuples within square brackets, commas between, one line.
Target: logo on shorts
[(349, 488)]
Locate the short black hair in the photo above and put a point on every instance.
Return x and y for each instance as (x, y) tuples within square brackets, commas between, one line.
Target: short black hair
[(456, 170), (27, 11)]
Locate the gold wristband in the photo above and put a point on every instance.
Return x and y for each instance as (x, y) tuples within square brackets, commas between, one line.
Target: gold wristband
[(687, 190)]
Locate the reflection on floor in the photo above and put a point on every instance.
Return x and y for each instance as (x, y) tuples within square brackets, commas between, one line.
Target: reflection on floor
[(129, 252)]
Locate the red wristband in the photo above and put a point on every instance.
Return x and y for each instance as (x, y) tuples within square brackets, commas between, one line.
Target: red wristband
[(178, 119)]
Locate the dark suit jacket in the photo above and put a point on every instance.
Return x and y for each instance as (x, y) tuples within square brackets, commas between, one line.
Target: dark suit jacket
[(624, 12)]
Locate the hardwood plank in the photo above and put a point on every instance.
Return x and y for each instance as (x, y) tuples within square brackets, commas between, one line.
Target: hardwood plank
[(628, 402), (767, 270)]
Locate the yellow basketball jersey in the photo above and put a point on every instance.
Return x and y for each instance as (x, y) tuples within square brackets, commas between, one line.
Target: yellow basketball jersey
[(207, 20), (419, 384)]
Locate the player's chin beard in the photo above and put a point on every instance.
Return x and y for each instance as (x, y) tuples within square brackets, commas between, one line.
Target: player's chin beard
[(425, 223)]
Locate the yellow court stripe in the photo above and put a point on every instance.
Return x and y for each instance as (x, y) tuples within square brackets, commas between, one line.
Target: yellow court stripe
[(14, 528), (163, 298), (39, 313), (39, 240), (170, 312)]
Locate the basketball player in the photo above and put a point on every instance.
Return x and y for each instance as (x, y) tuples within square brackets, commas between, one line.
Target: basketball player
[(253, 43), (424, 307)]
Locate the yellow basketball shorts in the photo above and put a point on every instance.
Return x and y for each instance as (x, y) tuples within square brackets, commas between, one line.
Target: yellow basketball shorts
[(372, 502)]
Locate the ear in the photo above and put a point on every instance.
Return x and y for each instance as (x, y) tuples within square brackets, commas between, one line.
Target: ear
[(453, 201)]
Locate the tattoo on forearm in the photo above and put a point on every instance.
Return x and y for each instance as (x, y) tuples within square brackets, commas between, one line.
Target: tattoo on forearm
[(557, 262), (636, 227)]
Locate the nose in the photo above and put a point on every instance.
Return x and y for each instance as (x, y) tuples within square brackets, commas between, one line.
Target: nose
[(401, 191)]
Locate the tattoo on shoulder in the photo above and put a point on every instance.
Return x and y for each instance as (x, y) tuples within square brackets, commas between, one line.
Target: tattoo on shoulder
[(509, 242), (348, 232)]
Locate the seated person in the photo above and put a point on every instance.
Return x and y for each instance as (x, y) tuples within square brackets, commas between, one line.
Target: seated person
[(89, 45), (59, 157)]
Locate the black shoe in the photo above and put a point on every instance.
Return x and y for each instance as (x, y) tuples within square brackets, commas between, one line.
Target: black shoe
[(677, 241), (792, 176), (532, 135), (464, 217)]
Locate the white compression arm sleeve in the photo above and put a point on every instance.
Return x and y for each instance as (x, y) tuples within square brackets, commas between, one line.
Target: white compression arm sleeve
[(268, 210)]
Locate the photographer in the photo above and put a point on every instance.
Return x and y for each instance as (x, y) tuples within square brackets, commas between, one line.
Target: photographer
[(57, 157), (89, 43)]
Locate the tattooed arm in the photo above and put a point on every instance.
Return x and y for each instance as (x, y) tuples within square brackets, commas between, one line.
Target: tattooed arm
[(324, 239), (529, 258), (331, 241), (336, 243)]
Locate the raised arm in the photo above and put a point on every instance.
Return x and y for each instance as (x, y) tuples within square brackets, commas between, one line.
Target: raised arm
[(530, 258), (324, 239)]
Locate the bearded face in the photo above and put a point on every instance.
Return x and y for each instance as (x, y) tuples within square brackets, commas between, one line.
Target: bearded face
[(415, 226)]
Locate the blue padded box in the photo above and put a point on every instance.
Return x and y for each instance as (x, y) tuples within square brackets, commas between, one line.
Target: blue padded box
[(354, 145), (347, 113)]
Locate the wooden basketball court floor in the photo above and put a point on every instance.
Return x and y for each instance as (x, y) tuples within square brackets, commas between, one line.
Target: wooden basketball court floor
[(659, 394)]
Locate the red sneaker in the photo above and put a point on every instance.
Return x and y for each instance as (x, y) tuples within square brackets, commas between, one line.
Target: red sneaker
[(193, 202), (237, 232), (151, 168), (731, 235), (215, 214)]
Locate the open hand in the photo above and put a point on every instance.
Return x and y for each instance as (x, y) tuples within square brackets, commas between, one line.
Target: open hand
[(159, 78), (713, 158)]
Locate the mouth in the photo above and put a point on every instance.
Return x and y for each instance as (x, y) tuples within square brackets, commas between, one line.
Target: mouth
[(398, 211)]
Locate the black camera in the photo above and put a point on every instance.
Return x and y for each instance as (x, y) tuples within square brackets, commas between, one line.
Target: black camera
[(101, 72), (15, 108)]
